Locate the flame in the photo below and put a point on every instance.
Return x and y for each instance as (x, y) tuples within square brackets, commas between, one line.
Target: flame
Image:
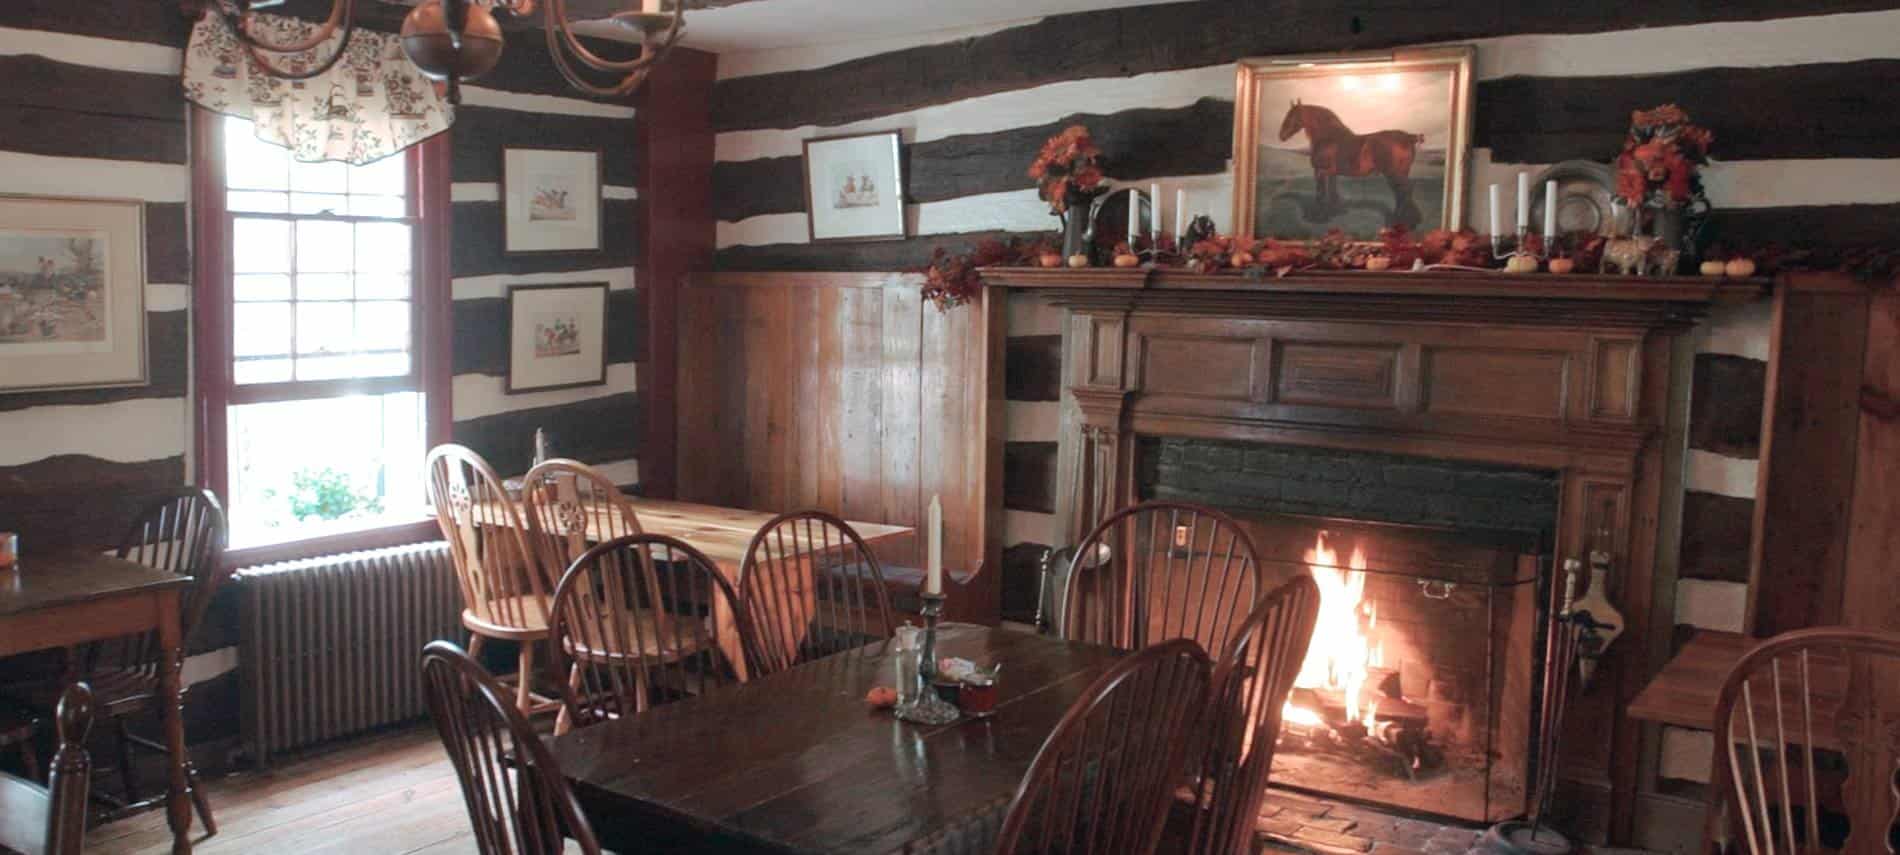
[(1342, 653)]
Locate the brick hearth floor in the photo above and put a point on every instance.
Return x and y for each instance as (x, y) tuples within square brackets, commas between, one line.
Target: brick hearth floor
[(1298, 822)]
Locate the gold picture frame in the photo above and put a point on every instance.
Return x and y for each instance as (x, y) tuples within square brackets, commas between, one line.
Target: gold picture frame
[(72, 293), (1359, 171)]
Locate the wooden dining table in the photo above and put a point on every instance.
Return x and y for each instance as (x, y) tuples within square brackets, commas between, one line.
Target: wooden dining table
[(797, 762), (68, 598), (723, 535)]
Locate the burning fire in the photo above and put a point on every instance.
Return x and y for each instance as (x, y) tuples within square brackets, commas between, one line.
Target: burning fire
[(1338, 662)]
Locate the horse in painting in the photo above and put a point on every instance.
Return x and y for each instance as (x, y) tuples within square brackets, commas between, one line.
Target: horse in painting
[(1337, 151)]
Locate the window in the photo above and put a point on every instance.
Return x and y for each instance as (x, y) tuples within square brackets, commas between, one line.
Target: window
[(317, 415)]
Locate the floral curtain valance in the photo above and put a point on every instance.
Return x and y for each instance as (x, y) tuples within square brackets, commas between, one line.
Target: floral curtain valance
[(372, 103)]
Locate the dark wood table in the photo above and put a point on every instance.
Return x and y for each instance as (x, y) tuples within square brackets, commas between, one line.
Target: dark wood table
[(796, 762), (64, 599)]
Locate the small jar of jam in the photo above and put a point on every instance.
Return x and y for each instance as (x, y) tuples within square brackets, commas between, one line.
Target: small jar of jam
[(977, 696)]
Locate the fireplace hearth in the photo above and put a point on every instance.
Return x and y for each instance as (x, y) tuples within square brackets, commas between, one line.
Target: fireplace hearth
[(1571, 382), (1416, 692)]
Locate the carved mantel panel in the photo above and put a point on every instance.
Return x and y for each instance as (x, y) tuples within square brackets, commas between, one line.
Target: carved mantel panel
[(1570, 374)]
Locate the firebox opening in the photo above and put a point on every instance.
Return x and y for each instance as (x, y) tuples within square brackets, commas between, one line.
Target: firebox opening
[(1416, 692)]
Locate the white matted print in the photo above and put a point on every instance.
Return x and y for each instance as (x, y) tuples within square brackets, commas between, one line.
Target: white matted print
[(556, 336), (72, 293), (854, 187), (552, 198)]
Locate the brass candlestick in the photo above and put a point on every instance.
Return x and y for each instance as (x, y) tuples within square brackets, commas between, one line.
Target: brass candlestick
[(928, 708)]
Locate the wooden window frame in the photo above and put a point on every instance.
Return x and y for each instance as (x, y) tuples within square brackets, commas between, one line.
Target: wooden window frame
[(431, 309)]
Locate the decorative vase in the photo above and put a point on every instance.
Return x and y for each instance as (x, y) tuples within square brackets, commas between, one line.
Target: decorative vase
[(1075, 223)]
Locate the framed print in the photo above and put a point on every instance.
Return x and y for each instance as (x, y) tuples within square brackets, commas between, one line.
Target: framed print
[(72, 293), (854, 187), (1353, 142), (556, 337), (552, 199)]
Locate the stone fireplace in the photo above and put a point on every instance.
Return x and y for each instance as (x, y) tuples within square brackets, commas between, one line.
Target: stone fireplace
[(1428, 446)]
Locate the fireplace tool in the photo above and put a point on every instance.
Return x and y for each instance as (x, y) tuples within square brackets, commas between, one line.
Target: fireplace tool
[(1571, 629)]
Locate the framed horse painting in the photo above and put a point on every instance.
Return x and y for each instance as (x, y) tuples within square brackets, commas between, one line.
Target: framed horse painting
[(1355, 142)]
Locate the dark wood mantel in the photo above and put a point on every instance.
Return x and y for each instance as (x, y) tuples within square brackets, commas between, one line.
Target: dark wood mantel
[(1575, 374)]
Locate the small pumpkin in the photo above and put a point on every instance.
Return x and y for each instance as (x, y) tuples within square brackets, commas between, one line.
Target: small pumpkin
[(1049, 259), (1740, 268), (1561, 266), (1521, 264), (1128, 259), (1080, 259), (1378, 262), (1713, 268)]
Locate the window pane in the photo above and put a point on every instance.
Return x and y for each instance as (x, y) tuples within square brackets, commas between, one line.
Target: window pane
[(260, 329), (324, 328), (260, 246), (251, 163), (378, 206), (382, 247), (382, 325), (386, 177), (393, 286), (327, 177), (324, 286), (260, 286), (319, 203), (251, 201), (250, 371), (297, 467), (324, 247)]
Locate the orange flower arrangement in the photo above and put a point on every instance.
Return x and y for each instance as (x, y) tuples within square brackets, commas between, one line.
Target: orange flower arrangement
[(1070, 162), (1662, 158)]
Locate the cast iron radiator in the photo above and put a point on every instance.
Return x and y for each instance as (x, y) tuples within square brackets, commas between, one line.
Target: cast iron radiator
[(330, 646)]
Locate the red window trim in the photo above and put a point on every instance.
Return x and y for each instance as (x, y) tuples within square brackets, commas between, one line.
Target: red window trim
[(211, 318)]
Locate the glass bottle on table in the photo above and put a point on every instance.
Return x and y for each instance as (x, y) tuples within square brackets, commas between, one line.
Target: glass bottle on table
[(904, 663)]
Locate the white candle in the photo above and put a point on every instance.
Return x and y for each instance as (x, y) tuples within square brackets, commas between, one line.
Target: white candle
[(1550, 213), (1523, 202), (1134, 207), (1496, 227), (1154, 213), (1180, 217), (933, 578)]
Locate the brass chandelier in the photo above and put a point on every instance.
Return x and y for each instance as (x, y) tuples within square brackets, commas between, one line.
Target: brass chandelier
[(457, 40)]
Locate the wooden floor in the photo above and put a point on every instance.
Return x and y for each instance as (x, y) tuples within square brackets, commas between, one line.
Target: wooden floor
[(392, 795)]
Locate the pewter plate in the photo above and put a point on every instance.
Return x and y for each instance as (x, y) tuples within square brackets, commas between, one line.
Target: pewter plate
[(1586, 199)]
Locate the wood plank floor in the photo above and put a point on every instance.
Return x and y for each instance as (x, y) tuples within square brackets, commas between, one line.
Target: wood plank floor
[(390, 795)]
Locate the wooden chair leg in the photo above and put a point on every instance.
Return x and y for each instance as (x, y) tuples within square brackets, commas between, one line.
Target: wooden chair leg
[(475, 646), (524, 679), (199, 800), (128, 767), (563, 722)]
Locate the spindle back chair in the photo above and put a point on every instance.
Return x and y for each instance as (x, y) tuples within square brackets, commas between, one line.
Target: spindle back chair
[(1794, 712), (570, 506), (518, 802), (811, 588), (505, 590), (52, 819), (1104, 779), (1251, 684), (1162, 570), (639, 620)]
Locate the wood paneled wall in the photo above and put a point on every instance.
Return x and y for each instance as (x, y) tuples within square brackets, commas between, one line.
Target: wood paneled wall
[(848, 393)]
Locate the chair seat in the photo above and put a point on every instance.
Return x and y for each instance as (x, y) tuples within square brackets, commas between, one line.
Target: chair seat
[(534, 626), (659, 635)]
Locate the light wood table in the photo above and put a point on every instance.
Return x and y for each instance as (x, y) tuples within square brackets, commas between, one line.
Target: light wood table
[(65, 599), (723, 534), (1685, 692)]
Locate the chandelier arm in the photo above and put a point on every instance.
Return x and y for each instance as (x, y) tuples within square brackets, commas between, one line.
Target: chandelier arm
[(562, 64), (342, 13), (557, 19), (272, 70)]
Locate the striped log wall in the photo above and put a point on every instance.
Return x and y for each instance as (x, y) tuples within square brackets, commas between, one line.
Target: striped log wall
[(91, 107), (1803, 119)]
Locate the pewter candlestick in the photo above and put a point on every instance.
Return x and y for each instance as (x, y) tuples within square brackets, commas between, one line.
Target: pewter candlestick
[(928, 708)]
